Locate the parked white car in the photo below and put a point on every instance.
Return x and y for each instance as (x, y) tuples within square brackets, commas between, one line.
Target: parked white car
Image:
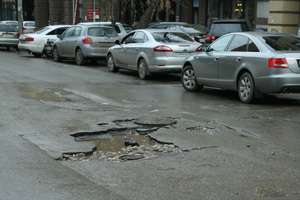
[(35, 43)]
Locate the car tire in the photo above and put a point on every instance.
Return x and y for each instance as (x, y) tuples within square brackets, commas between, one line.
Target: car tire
[(143, 69), (111, 64), (12, 49), (48, 53), (56, 56), (246, 88), (80, 59), (189, 80)]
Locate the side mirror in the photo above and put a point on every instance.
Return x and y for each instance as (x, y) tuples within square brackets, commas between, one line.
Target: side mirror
[(117, 42)]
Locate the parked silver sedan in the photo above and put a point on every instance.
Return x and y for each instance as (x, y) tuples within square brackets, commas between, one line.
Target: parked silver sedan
[(151, 51), (251, 63), (84, 43)]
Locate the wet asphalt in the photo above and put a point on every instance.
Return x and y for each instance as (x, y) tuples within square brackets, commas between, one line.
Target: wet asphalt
[(224, 149)]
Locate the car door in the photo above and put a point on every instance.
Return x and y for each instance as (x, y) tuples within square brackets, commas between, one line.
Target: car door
[(135, 48), (232, 60), (207, 63), (120, 52), (63, 44), (70, 42)]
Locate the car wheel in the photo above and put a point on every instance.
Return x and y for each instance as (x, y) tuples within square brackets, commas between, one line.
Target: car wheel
[(56, 56), (111, 64), (246, 88), (80, 59), (37, 54), (48, 53), (143, 69), (189, 80), (13, 49)]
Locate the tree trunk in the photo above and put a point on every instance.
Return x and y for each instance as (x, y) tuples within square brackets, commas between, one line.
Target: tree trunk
[(147, 16)]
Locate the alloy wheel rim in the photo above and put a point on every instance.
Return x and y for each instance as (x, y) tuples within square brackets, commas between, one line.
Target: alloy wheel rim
[(245, 88), (142, 69), (189, 78)]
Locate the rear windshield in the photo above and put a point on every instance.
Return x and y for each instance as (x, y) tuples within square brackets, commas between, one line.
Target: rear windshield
[(219, 29), (171, 37), (283, 43), (8, 28), (102, 31), (29, 24)]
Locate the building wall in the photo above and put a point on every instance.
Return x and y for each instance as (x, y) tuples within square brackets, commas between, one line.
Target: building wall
[(284, 16)]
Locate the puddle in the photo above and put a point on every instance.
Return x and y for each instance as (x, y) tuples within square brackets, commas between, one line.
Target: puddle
[(124, 140)]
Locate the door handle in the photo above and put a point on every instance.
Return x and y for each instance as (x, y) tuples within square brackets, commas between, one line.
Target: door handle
[(238, 59)]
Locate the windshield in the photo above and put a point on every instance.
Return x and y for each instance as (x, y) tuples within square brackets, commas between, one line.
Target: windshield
[(102, 31), (219, 29), (283, 43), (8, 28), (171, 37)]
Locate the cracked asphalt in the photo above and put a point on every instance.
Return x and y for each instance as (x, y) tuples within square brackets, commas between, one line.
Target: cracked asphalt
[(226, 149)]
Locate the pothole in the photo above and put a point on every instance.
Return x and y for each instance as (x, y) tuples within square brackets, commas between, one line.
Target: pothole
[(124, 140)]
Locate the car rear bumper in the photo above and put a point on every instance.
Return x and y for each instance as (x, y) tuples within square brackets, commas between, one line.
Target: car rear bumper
[(285, 83), (30, 48), (9, 42)]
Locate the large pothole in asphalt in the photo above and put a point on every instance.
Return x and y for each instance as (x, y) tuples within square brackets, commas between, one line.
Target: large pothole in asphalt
[(125, 139)]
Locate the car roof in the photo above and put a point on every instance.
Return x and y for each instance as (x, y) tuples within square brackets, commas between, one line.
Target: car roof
[(100, 23), (158, 30), (230, 20), (262, 34)]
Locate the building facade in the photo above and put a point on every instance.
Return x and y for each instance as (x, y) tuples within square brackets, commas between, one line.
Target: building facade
[(272, 15), (9, 10)]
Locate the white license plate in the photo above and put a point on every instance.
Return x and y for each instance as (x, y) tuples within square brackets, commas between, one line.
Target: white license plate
[(7, 35), (183, 54)]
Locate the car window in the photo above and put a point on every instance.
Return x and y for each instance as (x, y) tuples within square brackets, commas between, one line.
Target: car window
[(171, 37), (69, 32), (117, 29), (252, 47), (219, 45), (57, 31), (77, 31), (8, 28), (219, 29), (128, 39), (140, 37), (282, 43), (102, 31), (239, 43)]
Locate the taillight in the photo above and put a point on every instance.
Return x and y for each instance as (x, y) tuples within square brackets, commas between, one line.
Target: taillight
[(210, 38), (87, 40), (199, 48), (163, 48), (29, 39), (25, 28), (18, 34), (278, 63)]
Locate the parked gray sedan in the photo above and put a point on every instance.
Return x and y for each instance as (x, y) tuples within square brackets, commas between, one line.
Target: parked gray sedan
[(151, 51), (251, 63), (84, 43)]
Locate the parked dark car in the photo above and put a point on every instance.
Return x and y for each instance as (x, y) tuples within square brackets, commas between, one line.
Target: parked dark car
[(251, 63), (195, 31), (9, 36), (222, 27)]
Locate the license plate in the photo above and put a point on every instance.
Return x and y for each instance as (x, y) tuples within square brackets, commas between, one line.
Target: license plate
[(8, 35), (183, 54)]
